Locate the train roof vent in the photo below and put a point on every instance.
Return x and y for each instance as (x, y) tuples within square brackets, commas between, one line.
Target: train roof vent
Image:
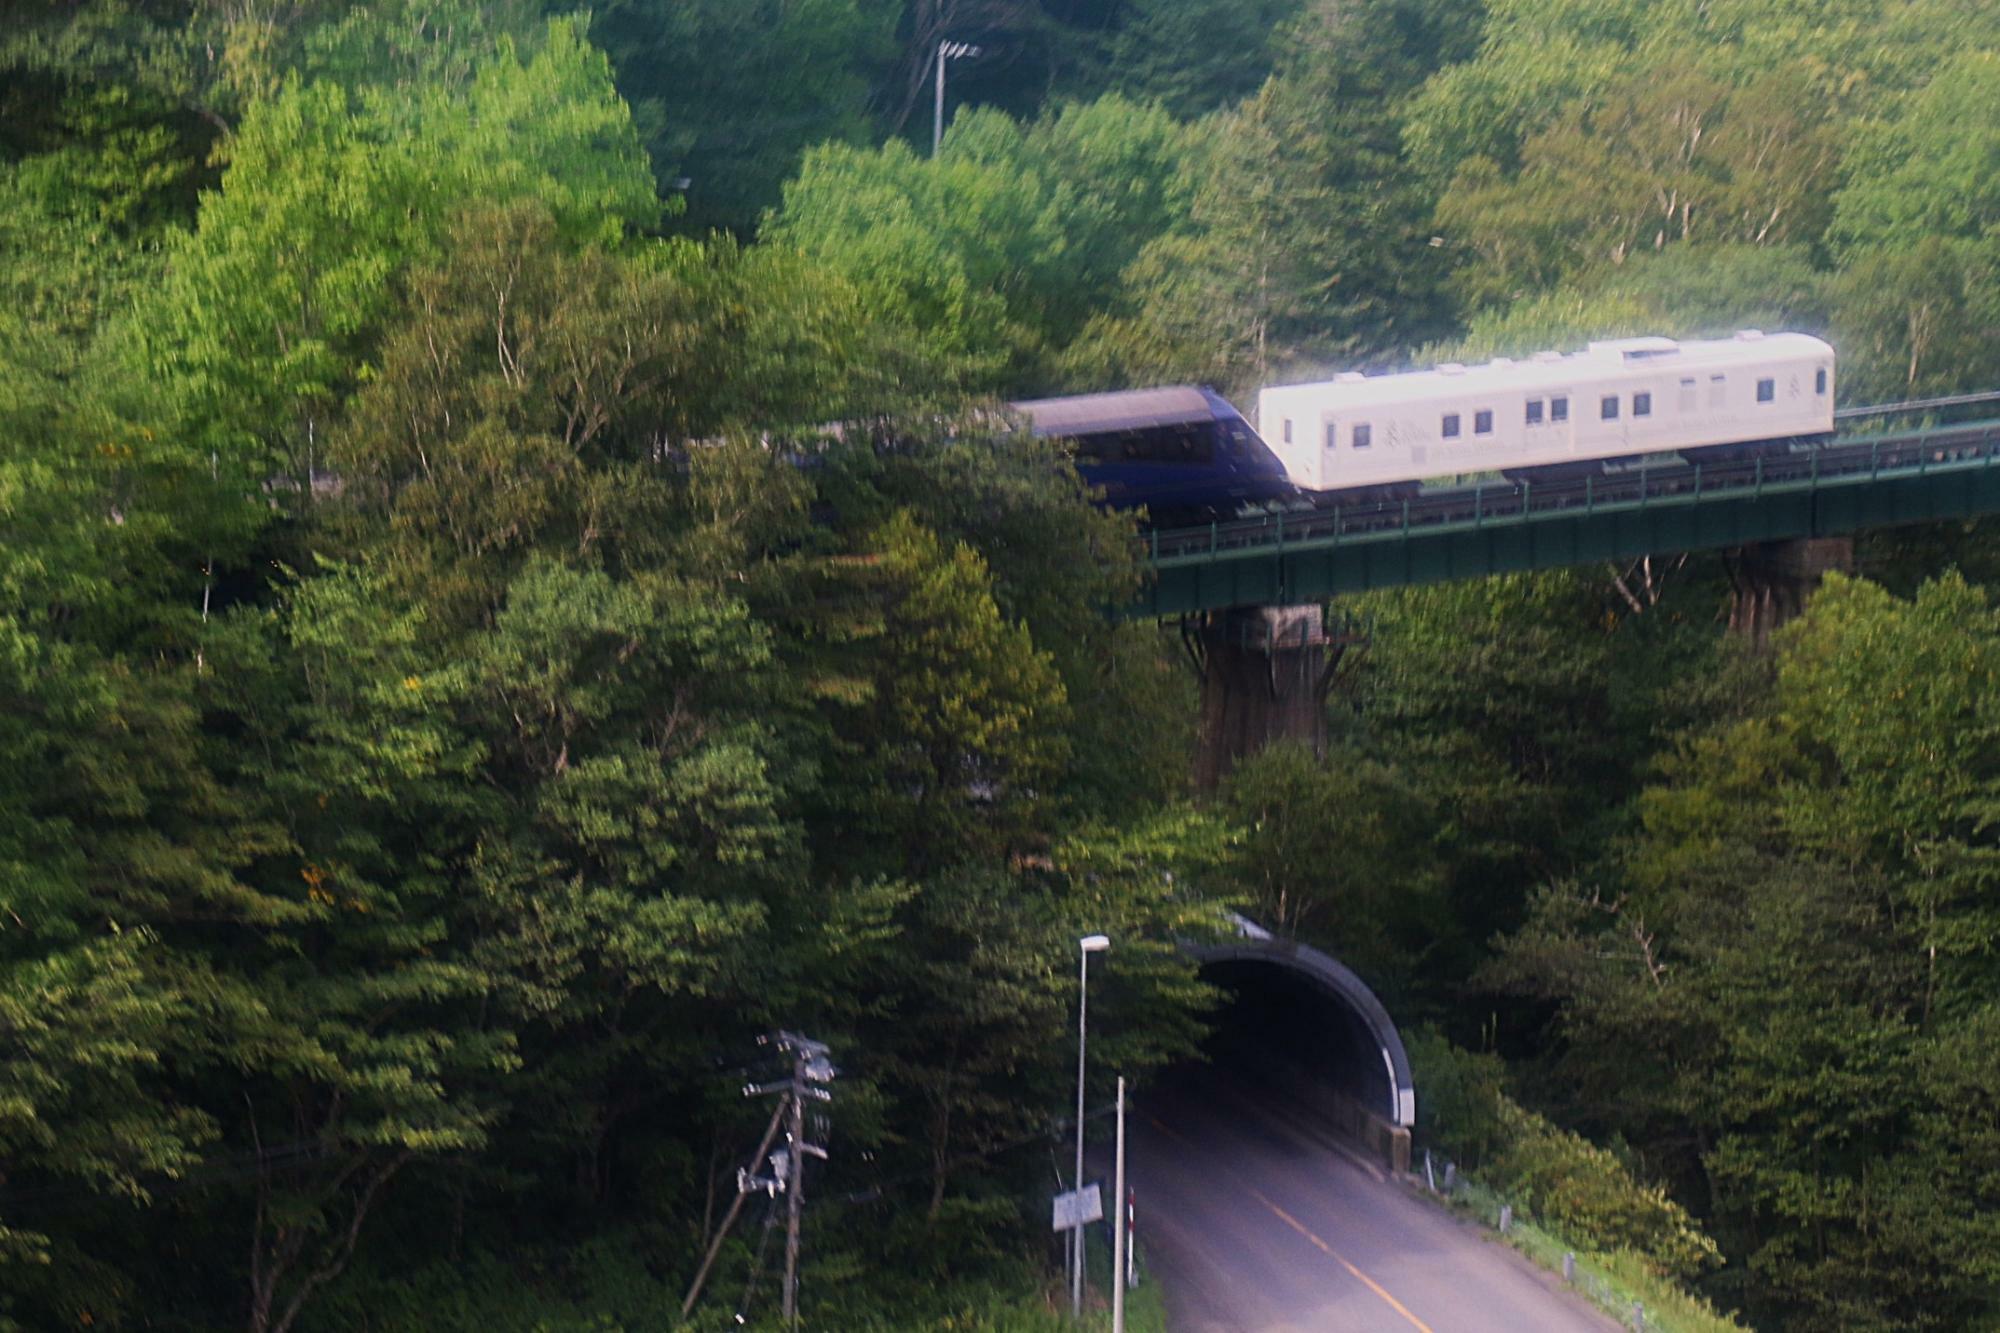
[(1349, 377), (1502, 362), (1548, 358), (1637, 349), (1749, 335), (1451, 368)]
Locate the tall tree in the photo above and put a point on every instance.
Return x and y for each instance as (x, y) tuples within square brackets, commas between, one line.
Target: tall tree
[(1799, 934), (1647, 162), (1306, 239), (276, 302), (1193, 56), (728, 95), (1002, 247)]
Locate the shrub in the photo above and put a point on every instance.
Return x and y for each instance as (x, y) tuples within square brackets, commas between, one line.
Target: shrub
[(1586, 1194), (1570, 1185)]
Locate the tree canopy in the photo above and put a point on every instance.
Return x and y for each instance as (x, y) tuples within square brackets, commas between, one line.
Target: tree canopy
[(516, 580)]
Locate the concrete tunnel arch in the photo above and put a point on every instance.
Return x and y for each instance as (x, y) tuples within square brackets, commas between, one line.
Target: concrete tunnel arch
[(1254, 944)]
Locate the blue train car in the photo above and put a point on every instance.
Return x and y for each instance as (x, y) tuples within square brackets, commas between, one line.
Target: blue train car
[(1183, 453)]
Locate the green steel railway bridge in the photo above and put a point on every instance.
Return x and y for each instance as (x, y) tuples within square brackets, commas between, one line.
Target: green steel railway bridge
[(1857, 481), (1250, 595)]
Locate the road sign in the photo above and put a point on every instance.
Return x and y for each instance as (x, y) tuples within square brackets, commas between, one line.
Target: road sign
[(1077, 1208)]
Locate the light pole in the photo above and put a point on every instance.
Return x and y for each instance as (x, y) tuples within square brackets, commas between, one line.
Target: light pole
[(1086, 946), (946, 51)]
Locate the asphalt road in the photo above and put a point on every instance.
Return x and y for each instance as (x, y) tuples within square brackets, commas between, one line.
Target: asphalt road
[(1255, 1221)]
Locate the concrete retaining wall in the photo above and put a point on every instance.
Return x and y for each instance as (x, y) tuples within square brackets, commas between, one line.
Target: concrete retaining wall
[(1348, 1117), (1389, 1143)]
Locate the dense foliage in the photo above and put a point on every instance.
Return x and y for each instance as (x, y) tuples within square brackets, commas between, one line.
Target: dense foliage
[(511, 587)]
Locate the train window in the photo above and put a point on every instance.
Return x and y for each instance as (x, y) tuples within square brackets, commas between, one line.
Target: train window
[(1642, 404), (1363, 436), (1287, 430), (1482, 422), (1607, 407), (1559, 408), (1819, 380), (1534, 411), (1191, 442), (1767, 390), (1451, 425), (1718, 391)]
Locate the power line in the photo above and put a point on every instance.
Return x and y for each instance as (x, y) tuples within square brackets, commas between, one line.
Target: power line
[(874, 1193)]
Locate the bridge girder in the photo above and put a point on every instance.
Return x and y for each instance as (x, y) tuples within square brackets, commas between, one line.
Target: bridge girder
[(1944, 473)]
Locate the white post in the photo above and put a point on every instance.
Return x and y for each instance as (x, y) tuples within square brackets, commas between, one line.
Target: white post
[(1076, 1245), (1119, 1241), (937, 117), (1086, 946)]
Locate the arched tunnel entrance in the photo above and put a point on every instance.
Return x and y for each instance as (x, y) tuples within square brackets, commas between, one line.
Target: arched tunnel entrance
[(1269, 1187), (1299, 1027)]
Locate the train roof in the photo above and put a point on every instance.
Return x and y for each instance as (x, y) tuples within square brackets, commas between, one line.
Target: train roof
[(1608, 359), (1129, 409)]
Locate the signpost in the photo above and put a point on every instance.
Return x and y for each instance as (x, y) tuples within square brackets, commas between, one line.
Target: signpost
[(1078, 1208)]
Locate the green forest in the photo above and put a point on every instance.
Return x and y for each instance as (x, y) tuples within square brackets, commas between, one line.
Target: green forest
[(513, 586)]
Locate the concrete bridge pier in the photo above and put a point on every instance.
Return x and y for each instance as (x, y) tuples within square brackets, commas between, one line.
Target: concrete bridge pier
[(1774, 579), (1265, 671)]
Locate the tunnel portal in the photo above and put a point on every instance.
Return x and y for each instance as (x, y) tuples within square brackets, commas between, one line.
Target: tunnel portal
[(1302, 1020)]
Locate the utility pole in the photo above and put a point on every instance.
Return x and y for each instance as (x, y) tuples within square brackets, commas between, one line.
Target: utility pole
[(810, 1067), (1119, 1240), (946, 51), (795, 1198), (937, 115), (1086, 946)]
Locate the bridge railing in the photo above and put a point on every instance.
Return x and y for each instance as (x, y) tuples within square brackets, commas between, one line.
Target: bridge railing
[(1652, 481), (1916, 406)]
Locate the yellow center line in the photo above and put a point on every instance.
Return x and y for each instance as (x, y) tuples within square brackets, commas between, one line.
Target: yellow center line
[(1329, 1251), (1321, 1245)]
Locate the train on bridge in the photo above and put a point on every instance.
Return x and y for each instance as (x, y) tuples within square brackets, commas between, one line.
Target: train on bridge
[(1185, 454)]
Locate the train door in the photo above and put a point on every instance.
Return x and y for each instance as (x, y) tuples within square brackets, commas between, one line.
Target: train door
[(1562, 419)]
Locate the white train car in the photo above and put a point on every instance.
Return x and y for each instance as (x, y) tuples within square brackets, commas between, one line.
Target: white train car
[(1553, 413)]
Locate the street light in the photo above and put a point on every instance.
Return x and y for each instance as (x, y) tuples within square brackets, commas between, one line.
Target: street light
[(946, 51), (1086, 946)]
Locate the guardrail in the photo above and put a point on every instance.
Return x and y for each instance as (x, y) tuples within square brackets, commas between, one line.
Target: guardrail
[(1618, 1284)]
